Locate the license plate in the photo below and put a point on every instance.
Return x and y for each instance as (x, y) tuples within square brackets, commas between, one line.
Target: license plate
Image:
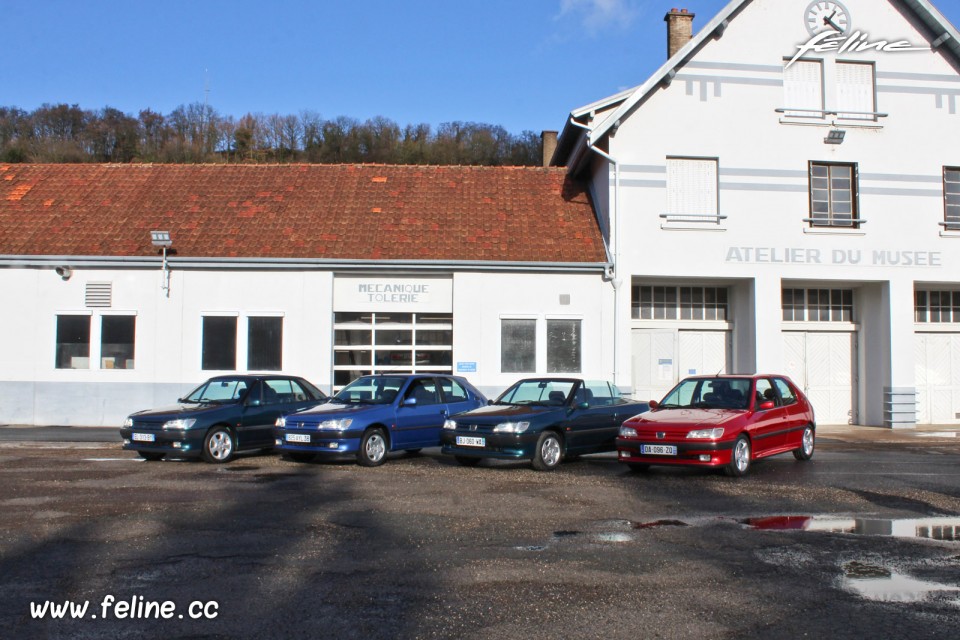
[(298, 437), (658, 450), (465, 441), (144, 437)]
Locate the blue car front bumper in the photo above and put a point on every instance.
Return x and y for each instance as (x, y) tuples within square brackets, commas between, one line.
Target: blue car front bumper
[(330, 443)]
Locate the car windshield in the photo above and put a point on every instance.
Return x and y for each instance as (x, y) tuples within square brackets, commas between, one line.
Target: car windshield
[(709, 393), (371, 390), (218, 390), (539, 392)]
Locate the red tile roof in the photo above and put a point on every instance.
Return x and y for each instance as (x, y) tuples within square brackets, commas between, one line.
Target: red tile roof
[(345, 212)]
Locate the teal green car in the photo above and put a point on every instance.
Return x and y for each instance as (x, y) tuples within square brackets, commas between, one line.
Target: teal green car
[(543, 420)]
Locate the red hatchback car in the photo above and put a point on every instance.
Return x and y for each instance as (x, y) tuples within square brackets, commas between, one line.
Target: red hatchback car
[(720, 421)]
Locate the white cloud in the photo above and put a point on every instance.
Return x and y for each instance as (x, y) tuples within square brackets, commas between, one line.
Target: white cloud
[(599, 15)]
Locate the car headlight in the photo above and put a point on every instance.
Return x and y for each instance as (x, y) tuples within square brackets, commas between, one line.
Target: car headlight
[(450, 424), (182, 423), (281, 422), (128, 423), (627, 432), (511, 427), (706, 434), (335, 425)]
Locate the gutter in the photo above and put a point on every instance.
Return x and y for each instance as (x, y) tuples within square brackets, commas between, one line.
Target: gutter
[(614, 273), (295, 264)]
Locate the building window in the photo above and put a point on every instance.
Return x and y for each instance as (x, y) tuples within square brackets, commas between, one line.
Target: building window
[(73, 342), (117, 338), (856, 91), (833, 195), (518, 346), (817, 305), (951, 197), (692, 188), (563, 346), (265, 343), (937, 306), (366, 343), (803, 89), (679, 303), (219, 350)]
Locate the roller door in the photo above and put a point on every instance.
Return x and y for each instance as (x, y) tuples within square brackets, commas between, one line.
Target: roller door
[(823, 364), (937, 361), (662, 357)]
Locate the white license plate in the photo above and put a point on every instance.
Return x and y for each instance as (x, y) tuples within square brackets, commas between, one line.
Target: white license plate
[(658, 450), (465, 441), (145, 437), (298, 437)]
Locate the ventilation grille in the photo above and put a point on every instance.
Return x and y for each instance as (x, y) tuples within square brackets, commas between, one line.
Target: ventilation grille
[(99, 294)]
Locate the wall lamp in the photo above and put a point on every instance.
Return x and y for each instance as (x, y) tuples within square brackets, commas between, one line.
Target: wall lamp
[(64, 273), (162, 239), (835, 136)]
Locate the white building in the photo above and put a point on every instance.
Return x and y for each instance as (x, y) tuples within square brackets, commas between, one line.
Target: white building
[(327, 272), (783, 195)]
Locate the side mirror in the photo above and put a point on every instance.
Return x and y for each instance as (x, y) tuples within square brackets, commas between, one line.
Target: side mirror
[(583, 405), (654, 404), (766, 405), (409, 402), (489, 401), (253, 402)]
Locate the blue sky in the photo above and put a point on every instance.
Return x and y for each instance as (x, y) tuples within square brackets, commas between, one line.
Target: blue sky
[(523, 64)]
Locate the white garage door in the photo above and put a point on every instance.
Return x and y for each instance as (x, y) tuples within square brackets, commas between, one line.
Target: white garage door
[(823, 364), (938, 378), (662, 357)]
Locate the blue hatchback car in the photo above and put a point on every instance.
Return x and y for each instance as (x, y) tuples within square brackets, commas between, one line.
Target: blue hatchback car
[(374, 415)]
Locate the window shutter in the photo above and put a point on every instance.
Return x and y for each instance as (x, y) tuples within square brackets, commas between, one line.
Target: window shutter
[(803, 88), (691, 186), (855, 90)]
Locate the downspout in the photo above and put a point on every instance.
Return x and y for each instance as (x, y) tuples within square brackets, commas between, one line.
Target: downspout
[(614, 274)]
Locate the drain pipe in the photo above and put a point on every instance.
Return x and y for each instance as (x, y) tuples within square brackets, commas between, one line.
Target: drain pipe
[(614, 276)]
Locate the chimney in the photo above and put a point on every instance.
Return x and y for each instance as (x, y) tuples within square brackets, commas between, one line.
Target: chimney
[(679, 30), (549, 139)]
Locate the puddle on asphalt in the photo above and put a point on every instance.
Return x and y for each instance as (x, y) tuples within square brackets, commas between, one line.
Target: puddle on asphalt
[(944, 529), (880, 584), (659, 523)]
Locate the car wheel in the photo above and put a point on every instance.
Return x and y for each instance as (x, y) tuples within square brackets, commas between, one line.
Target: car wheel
[(218, 445), (301, 456), (373, 448), (807, 444), (151, 456), (466, 461), (739, 458), (638, 467), (549, 452)]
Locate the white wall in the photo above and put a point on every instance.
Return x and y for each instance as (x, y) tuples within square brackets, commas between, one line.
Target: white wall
[(722, 105), (169, 332)]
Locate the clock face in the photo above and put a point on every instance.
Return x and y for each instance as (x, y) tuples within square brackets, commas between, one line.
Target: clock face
[(826, 15)]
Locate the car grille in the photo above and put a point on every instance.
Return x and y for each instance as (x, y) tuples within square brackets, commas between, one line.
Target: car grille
[(148, 424), (475, 428)]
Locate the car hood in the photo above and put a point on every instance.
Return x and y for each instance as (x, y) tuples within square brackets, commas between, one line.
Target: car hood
[(330, 410), (496, 413), (181, 410), (688, 417)]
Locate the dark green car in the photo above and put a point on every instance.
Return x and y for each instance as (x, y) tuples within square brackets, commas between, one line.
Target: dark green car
[(222, 416), (543, 420)]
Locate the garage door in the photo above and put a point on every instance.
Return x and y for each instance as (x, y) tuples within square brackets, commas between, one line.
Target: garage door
[(823, 364), (938, 378), (662, 357)]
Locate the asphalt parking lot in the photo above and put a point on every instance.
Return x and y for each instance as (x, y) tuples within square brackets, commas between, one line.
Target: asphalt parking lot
[(423, 548)]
